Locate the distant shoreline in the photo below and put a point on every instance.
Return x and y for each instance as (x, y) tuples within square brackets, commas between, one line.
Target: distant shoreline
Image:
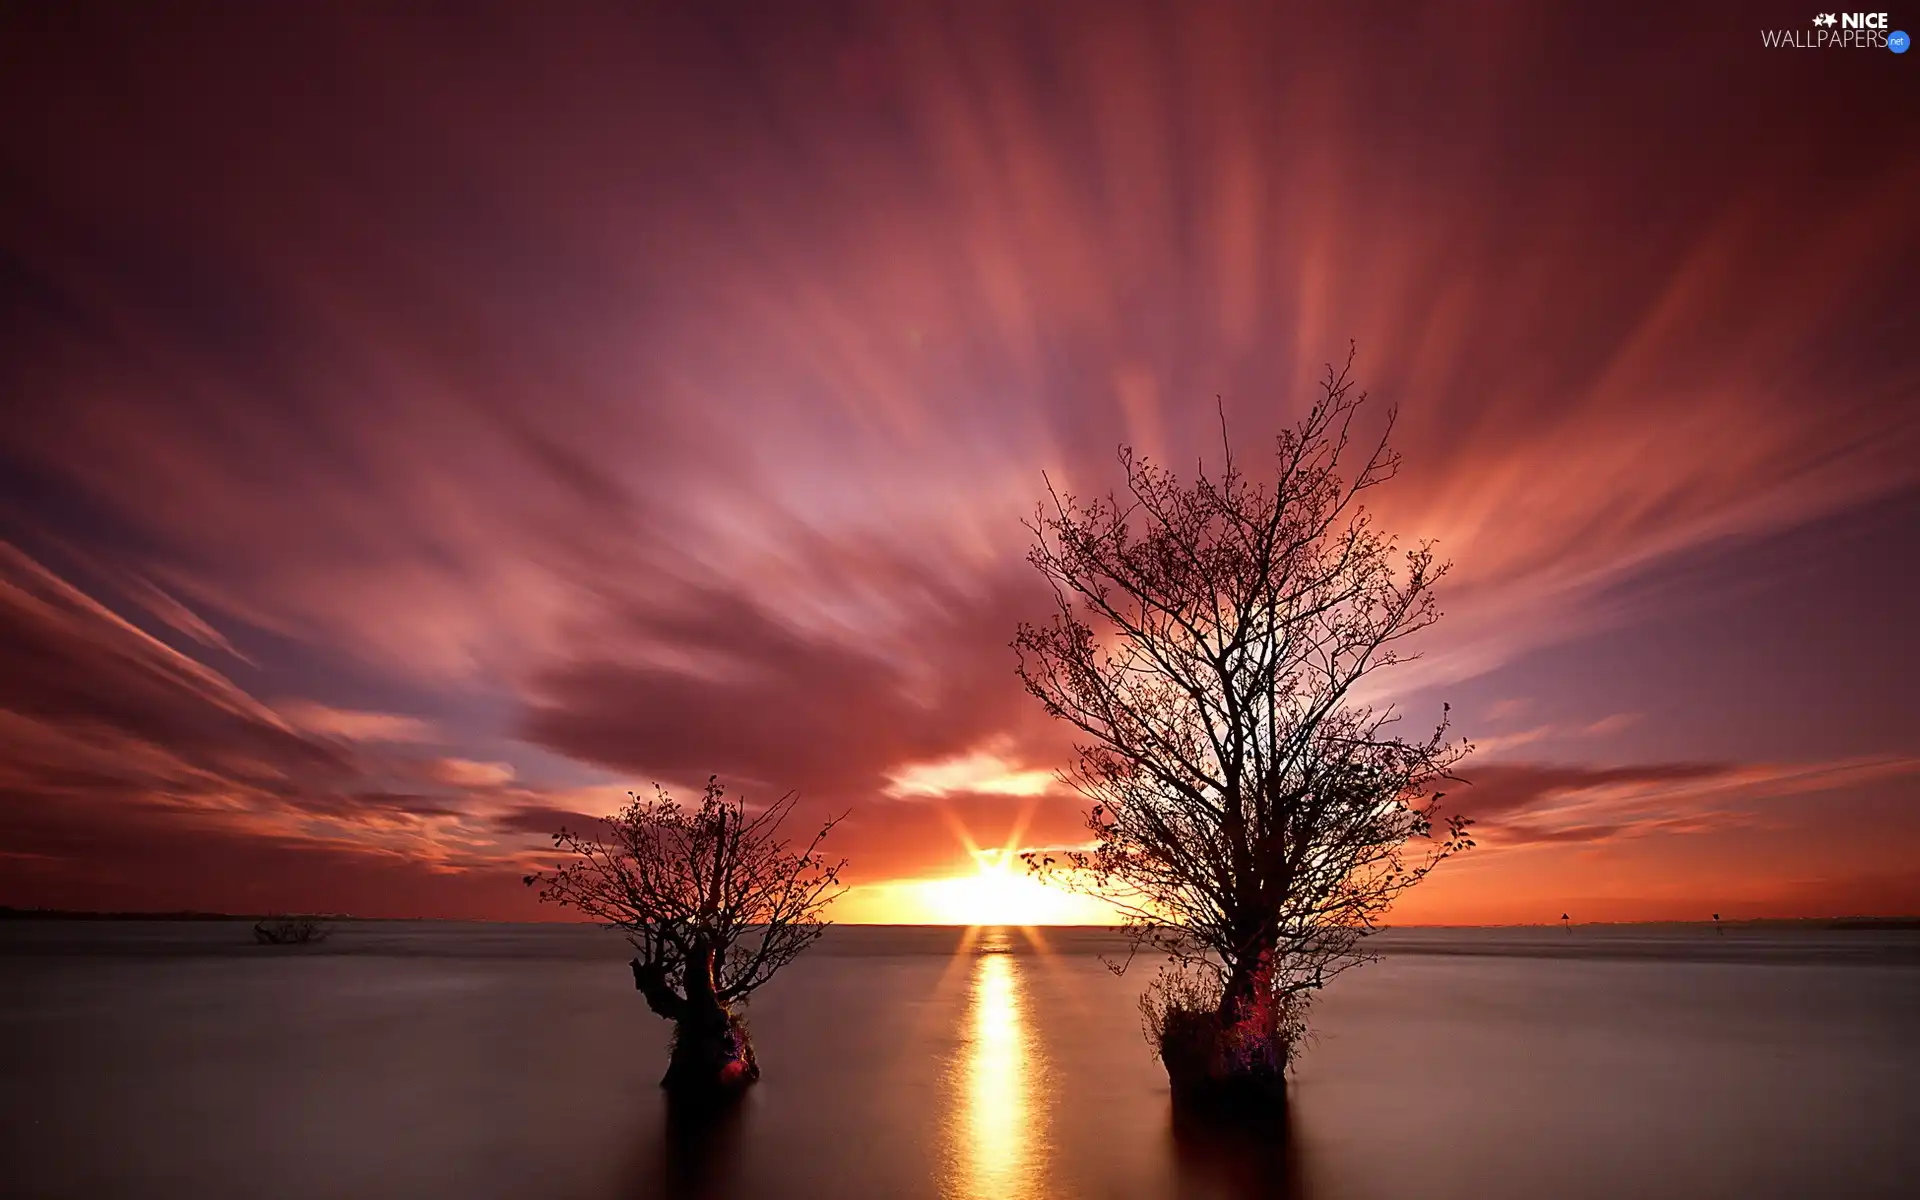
[(76, 914), (1826, 923)]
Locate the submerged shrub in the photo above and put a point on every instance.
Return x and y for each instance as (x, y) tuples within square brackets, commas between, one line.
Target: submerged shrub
[(1213, 1045), (290, 931)]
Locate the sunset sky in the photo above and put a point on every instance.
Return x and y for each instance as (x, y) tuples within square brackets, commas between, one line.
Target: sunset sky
[(422, 423)]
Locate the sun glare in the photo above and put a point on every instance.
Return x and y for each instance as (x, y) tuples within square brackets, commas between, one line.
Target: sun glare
[(999, 892)]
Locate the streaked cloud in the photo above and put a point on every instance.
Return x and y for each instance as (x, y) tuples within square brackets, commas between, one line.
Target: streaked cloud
[(355, 725), (1518, 803), (674, 410)]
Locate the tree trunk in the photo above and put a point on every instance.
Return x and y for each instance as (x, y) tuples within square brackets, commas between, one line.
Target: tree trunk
[(712, 1054)]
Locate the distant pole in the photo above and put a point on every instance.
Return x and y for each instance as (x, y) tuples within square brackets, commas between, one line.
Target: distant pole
[(1566, 922)]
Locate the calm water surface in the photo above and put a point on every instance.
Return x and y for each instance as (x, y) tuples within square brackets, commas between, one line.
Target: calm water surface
[(447, 1060)]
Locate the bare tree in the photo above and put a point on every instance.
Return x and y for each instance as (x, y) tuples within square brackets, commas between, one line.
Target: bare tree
[(1251, 817), (714, 902)]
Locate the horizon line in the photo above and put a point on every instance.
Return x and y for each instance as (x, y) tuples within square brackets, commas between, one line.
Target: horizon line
[(14, 912)]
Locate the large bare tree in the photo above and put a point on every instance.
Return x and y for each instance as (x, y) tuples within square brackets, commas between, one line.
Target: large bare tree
[(713, 900), (1251, 816)]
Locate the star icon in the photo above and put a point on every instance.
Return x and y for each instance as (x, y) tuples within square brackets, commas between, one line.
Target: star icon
[(1826, 19)]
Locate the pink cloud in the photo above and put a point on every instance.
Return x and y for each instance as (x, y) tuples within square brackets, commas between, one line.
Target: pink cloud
[(695, 437), (1520, 803), (353, 724)]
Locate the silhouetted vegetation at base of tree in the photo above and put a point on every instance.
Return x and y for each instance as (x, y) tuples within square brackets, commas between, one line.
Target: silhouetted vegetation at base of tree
[(1251, 817), (290, 931), (714, 902), (1221, 1056)]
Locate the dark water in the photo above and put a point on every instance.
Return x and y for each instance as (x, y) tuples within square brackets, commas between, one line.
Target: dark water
[(436, 1060)]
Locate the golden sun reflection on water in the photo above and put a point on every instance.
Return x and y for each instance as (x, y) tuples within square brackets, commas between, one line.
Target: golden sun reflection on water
[(994, 1131)]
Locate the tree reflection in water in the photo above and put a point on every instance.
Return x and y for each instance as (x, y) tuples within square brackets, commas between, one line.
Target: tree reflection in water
[(699, 1144), (1250, 1158)]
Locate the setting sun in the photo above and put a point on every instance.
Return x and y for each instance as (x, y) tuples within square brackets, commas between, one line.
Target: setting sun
[(998, 892)]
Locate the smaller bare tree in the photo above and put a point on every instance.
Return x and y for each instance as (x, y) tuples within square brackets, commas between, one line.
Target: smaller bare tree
[(714, 902)]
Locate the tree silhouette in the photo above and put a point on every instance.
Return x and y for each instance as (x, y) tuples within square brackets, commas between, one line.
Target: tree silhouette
[(1250, 816), (713, 901)]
